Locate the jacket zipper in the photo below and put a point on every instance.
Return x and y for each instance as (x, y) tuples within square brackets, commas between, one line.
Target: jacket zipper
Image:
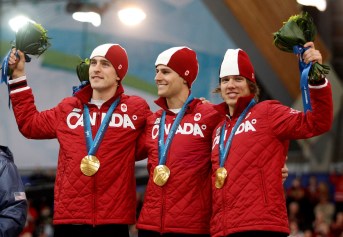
[(162, 210), (223, 204), (228, 128), (94, 202)]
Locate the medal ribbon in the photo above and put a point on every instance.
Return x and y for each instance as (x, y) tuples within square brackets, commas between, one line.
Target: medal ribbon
[(164, 147), (223, 152), (304, 71), (4, 68), (4, 73), (92, 146)]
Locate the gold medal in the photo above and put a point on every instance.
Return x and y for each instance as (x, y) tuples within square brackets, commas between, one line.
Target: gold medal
[(89, 165), (221, 175), (161, 175)]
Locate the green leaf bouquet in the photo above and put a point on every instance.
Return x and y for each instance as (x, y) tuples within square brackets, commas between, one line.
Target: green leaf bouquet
[(82, 70), (32, 39), (298, 30)]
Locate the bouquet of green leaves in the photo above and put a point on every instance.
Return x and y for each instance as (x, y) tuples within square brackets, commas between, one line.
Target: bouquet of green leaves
[(31, 39), (298, 30), (82, 70)]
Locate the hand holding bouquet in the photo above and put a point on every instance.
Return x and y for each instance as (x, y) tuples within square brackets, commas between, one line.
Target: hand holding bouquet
[(31, 39), (292, 36)]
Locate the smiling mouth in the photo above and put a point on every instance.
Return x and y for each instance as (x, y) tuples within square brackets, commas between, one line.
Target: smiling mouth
[(232, 95)]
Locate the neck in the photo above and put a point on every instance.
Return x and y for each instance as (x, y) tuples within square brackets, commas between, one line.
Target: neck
[(231, 110), (178, 101), (104, 95)]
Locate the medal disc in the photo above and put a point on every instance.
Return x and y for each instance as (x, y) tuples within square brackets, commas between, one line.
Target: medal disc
[(161, 175), (89, 165), (221, 174)]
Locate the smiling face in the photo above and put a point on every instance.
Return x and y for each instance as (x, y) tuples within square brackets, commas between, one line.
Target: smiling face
[(169, 83), (233, 87), (103, 78)]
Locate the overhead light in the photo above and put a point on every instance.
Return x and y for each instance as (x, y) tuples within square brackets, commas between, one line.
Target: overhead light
[(91, 17), (19, 21), (319, 4), (131, 16)]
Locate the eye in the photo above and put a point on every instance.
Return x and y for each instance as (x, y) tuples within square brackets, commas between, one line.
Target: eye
[(239, 79), (224, 80), (106, 63)]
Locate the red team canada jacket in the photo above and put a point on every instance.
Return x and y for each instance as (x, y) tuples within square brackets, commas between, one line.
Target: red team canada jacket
[(253, 196), (183, 204), (108, 197)]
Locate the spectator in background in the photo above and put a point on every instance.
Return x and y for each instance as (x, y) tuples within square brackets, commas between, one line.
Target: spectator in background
[(312, 191), (31, 220), (336, 228), (320, 226), (326, 208), (13, 203), (311, 199), (336, 178), (294, 229), (296, 192), (308, 232), (295, 215)]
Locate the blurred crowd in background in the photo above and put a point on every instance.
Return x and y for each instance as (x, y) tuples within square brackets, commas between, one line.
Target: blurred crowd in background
[(314, 204)]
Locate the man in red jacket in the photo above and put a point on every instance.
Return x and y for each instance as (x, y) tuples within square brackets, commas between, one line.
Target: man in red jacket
[(177, 200), (250, 145), (97, 130)]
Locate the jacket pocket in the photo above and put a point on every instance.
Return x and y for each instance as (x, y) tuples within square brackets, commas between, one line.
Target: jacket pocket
[(263, 186)]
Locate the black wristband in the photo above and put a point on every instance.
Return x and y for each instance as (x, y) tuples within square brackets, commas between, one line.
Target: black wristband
[(17, 85)]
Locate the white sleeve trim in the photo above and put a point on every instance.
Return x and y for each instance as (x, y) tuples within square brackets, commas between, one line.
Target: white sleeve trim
[(22, 78), (20, 89), (320, 86)]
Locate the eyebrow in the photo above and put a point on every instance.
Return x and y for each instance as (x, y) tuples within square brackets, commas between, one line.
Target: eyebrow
[(100, 60)]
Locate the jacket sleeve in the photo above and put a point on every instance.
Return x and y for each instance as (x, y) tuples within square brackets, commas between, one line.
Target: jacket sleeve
[(141, 151), (288, 123), (13, 203), (31, 123)]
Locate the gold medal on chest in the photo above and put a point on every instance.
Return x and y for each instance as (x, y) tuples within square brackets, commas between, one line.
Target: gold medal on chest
[(221, 175), (89, 165), (161, 175)]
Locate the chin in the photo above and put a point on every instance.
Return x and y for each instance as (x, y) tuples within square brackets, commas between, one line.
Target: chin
[(161, 94)]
